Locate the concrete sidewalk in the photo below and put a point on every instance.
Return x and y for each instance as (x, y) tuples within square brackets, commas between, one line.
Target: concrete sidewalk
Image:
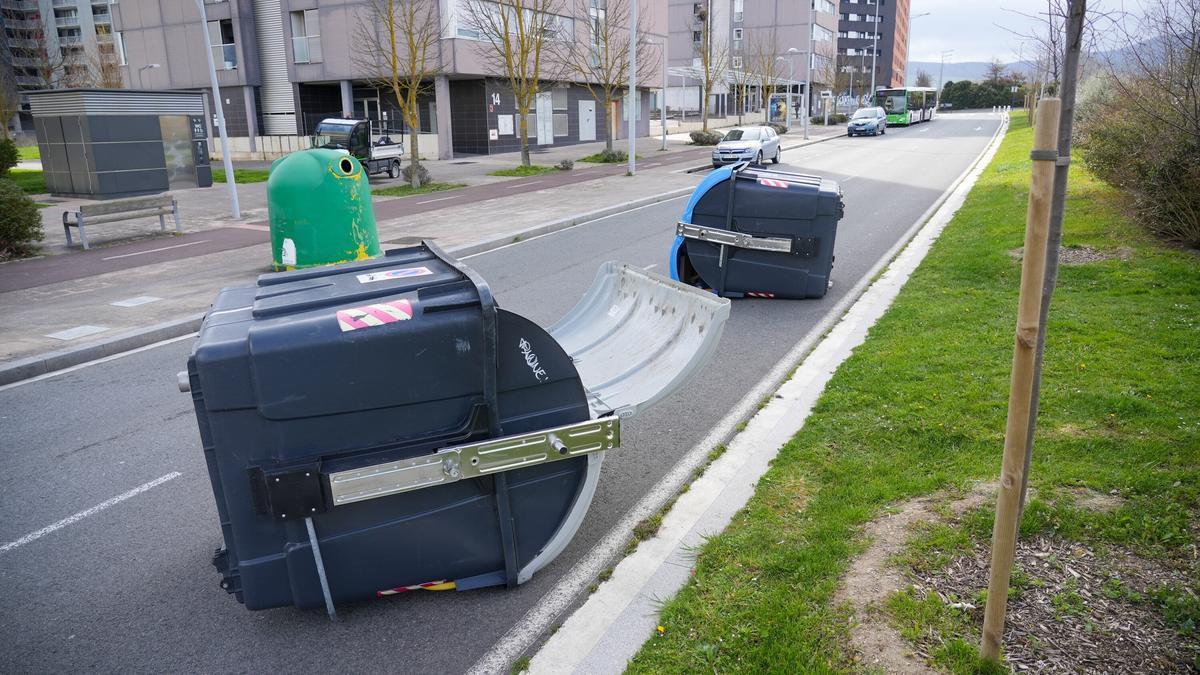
[(54, 325)]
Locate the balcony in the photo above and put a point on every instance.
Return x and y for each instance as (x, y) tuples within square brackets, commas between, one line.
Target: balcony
[(63, 3), (29, 81), (67, 21), (104, 37), (19, 5), (70, 40), (26, 62), (104, 19), (22, 24)]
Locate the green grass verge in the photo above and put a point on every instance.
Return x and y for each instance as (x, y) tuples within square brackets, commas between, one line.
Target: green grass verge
[(29, 152), (408, 190), (241, 175), (30, 180), (596, 159), (921, 407), (524, 171)]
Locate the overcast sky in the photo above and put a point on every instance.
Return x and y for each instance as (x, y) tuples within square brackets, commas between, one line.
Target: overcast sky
[(974, 29)]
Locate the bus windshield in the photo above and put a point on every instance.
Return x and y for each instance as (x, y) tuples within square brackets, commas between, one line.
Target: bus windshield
[(893, 101)]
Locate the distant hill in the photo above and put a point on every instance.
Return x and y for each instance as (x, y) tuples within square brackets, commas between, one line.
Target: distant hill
[(968, 70)]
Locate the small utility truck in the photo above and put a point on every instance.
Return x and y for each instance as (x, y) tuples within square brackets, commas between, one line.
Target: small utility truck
[(354, 136)]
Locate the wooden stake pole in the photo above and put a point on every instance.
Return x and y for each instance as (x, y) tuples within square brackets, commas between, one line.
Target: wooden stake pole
[(1033, 266)]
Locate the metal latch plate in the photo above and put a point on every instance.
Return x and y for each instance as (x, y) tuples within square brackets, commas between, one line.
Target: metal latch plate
[(735, 239), (475, 459)]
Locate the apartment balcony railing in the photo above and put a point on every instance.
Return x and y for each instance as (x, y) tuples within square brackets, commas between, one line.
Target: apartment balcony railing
[(66, 21), (103, 37), (29, 81), (19, 5), (22, 43), (26, 62), (22, 24), (70, 40), (63, 3), (102, 19)]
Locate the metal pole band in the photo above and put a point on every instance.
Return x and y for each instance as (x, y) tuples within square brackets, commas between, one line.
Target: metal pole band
[(1044, 155)]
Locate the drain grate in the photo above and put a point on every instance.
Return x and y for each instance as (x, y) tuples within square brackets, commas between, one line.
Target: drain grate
[(468, 162)]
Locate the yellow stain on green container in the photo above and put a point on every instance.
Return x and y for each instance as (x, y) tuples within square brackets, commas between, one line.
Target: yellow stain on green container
[(319, 207)]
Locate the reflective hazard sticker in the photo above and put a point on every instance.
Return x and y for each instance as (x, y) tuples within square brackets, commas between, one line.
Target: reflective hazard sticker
[(385, 275), (770, 182), (374, 315)]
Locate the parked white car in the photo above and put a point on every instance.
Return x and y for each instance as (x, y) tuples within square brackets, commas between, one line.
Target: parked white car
[(747, 144)]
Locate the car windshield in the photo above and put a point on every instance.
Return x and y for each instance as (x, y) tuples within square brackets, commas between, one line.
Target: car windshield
[(865, 113), (742, 135), (333, 135)]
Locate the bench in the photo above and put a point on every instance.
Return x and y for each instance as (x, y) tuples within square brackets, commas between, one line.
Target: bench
[(121, 209)]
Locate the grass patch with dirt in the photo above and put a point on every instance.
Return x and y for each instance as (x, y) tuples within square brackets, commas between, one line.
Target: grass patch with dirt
[(241, 175), (524, 171), (29, 180), (408, 190), (920, 408)]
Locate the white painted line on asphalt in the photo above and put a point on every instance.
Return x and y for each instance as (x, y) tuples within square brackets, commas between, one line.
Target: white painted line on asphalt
[(439, 199), (106, 359), (155, 250), (532, 182), (70, 520), (134, 302), (77, 332), (563, 595), (568, 229)]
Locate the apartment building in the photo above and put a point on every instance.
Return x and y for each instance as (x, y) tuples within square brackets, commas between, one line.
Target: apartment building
[(55, 43), (872, 34), (735, 31), (283, 65)]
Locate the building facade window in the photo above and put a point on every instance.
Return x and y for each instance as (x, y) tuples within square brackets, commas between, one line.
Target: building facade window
[(306, 36), (224, 48), (119, 40), (821, 33)]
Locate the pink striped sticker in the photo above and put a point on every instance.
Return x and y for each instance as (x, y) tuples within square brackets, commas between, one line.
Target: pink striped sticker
[(771, 182), (374, 315)]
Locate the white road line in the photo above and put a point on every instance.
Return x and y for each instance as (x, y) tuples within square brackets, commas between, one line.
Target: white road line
[(156, 250), (568, 229), (106, 359), (439, 199), (532, 182), (70, 520)]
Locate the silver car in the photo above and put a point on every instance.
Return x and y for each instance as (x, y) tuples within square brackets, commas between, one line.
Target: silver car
[(747, 144)]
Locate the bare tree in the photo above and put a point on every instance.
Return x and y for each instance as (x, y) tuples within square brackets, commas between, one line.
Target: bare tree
[(10, 104), (924, 79), (515, 34), (401, 53), (740, 78), (713, 60), (763, 59), (104, 65), (601, 62)]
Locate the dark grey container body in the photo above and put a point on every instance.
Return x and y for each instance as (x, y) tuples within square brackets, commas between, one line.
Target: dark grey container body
[(763, 203), (286, 394)]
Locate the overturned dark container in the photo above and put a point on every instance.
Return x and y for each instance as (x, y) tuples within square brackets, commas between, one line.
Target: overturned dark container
[(383, 425), (749, 231)]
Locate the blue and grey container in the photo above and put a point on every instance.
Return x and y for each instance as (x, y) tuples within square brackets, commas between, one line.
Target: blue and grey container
[(751, 232), (382, 425)]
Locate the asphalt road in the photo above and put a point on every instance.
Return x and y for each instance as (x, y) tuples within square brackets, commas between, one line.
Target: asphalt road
[(130, 587)]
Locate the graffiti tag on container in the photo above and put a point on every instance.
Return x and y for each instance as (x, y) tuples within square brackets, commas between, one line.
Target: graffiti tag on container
[(531, 360)]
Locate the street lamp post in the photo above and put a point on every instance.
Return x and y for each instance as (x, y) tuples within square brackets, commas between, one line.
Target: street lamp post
[(908, 44), (139, 72), (874, 49), (632, 110), (941, 71), (216, 95)]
